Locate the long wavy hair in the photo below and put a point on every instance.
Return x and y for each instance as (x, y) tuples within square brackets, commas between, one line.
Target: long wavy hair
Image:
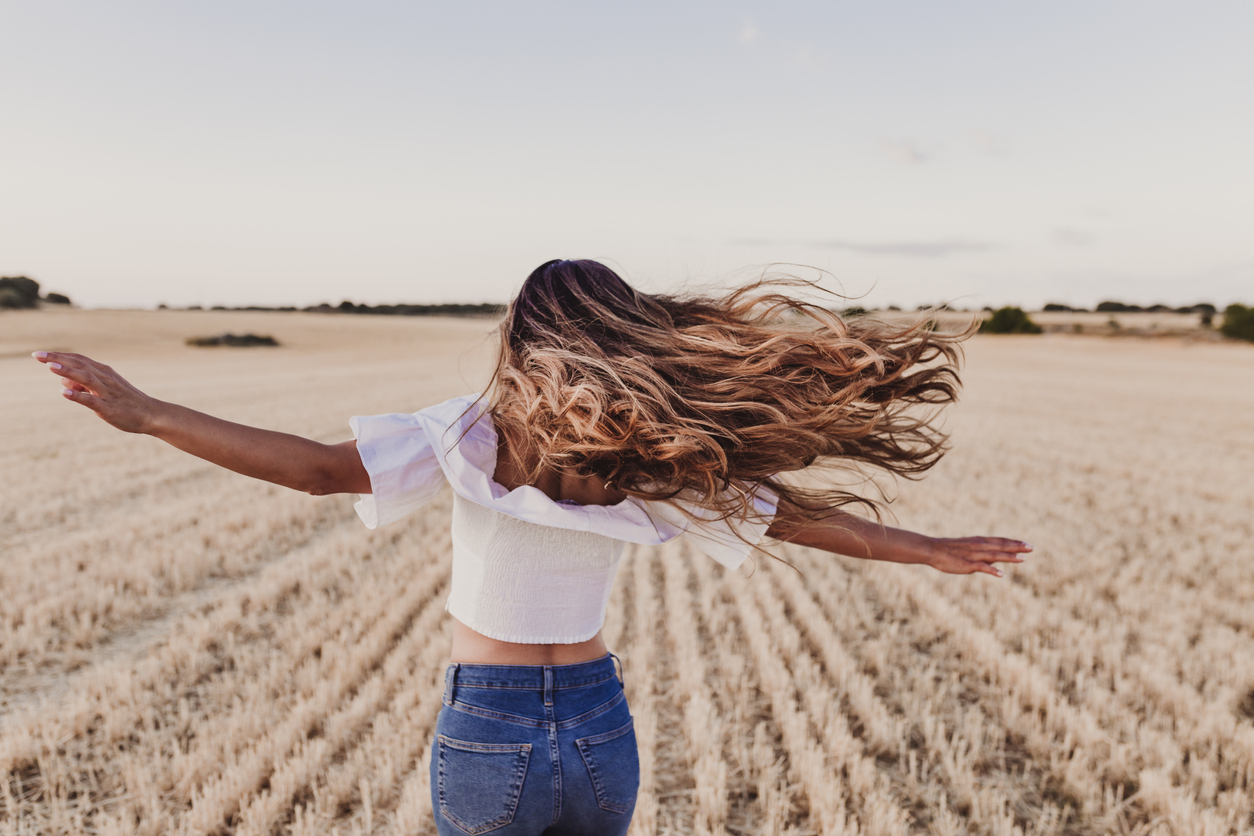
[(706, 398)]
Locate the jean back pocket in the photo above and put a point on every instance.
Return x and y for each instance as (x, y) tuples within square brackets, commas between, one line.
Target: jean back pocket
[(480, 783), (614, 766)]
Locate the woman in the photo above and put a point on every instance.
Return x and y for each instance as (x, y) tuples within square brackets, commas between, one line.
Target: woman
[(612, 416)]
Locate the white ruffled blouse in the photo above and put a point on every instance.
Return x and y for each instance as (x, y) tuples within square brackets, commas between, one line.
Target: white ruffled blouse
[(526, 568)]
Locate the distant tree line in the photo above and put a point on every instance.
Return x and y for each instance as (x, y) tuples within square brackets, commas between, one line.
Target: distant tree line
[(22, 292), (449, 309), (1120, 307), (1238, 321), (446, 309)]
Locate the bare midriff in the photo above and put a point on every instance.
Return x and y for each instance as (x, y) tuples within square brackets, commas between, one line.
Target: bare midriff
[(471, 648)]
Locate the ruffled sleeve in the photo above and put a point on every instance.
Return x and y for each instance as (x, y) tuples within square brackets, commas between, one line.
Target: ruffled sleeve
[(405, 473)]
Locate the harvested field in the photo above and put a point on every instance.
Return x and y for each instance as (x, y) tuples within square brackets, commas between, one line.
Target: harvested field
[(183, 650)]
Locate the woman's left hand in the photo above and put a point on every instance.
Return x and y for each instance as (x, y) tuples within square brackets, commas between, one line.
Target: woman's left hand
[(966, 555)]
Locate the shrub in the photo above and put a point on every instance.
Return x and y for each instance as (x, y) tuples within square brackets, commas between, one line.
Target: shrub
[(1238, 322), (1009, 321), (18, 292), (239, 340), (10, 298), (57, 299)]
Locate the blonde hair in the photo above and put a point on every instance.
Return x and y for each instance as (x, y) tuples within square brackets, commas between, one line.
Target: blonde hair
[(694, 396)]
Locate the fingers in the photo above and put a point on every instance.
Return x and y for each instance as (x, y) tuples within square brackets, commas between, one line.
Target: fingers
[(999, 544), (969, 566), (986, 551), (970, 555), (83, 397), (77, 376), (85, 378), (59, 357), (63, 362), (995, 557), (77, 373), (992, 549)]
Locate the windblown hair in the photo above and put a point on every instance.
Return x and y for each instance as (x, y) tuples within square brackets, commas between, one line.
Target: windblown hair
[(707, 398)]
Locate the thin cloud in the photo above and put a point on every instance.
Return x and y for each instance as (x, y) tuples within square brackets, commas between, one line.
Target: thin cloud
[(911, 249), (1071, 237), (906, 249), (802, 54), (749, 32), (989, 144), (906, 152), (1100, 212), (807, 57)]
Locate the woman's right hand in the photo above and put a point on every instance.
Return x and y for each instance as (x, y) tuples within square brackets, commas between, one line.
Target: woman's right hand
[(288, 460), (102, 390)]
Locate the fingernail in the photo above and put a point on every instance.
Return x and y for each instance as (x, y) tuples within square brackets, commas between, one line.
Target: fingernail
[(69, 393), (1029, 546), (54, 365), (39, 355)]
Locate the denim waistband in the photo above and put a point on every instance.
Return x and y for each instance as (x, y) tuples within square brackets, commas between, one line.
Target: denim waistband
[(534, 677)]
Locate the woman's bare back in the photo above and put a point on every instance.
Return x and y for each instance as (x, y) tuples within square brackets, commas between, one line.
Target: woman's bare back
[(559, 487)]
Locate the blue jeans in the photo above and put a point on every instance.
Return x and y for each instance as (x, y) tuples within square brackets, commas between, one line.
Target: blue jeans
[(531, 749)]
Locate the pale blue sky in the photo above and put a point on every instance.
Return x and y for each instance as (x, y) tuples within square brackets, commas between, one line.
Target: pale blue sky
[(975, 152)]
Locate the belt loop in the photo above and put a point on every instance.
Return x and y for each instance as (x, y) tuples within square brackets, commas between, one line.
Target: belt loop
[(548, 685), (450, 683), (619, 665)]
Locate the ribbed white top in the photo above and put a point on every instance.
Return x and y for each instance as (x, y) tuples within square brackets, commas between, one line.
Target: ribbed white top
[(518, 581), (526, 569)]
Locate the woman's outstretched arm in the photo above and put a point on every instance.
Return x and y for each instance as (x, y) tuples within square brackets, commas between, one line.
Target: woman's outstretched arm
[(834, 530), (283, 459)]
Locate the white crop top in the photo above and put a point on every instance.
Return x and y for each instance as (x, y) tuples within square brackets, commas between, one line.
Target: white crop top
[(526, 568)]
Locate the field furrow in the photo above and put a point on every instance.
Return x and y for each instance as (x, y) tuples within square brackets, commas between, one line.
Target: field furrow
[(640, 659), (763, 797), (1085, 760), (703, 726)]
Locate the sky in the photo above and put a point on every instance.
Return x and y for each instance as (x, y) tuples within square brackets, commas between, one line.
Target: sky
[(972, 153)]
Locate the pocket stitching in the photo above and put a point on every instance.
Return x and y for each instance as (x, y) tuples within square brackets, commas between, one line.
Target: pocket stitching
[(520, 774), (466, 708), (471, 746), (585, 752)]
